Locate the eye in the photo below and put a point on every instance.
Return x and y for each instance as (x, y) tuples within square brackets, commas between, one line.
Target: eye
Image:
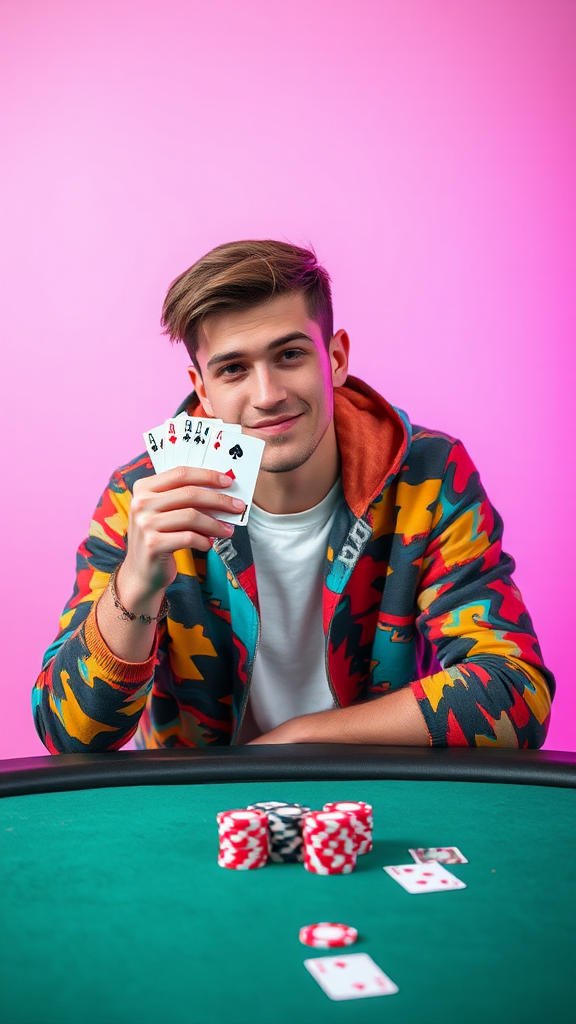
[(230, 370), (291, 354)]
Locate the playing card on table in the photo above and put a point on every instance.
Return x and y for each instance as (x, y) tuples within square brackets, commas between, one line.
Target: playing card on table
[(431, 877), (352, 976), (237, 456), (154, 441), (440, 854)]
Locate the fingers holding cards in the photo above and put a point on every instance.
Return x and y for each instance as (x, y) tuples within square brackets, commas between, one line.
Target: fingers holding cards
[(204, 443)]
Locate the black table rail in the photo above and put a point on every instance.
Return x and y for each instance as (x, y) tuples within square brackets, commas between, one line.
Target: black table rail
[(295, 762)]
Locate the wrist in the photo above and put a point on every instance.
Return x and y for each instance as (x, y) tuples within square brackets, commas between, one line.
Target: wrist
[(132, 602)]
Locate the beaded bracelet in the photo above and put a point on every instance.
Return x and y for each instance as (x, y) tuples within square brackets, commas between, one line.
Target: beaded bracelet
[(148, 619)]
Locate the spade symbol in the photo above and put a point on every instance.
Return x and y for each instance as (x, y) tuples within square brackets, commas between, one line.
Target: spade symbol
[(236, 452)]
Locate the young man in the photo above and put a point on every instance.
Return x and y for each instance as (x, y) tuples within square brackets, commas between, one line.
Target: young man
[(368, 600)]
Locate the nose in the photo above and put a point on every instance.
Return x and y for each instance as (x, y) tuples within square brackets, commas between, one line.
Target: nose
[(268, 390)]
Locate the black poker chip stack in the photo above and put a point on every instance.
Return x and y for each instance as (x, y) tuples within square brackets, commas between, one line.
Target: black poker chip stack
[(285, 829)]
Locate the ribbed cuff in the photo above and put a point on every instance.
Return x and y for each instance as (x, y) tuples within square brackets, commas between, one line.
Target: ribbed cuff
[(114, 669)]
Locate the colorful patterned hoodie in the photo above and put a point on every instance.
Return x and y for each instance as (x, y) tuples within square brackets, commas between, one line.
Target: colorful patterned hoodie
[(417, 592)]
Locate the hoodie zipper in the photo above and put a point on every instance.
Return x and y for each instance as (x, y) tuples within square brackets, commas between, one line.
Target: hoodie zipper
[(330, 684), (335, 697), (249, 680), (337, 703)]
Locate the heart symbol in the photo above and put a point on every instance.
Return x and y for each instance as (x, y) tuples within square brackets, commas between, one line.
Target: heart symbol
[(358, 984)]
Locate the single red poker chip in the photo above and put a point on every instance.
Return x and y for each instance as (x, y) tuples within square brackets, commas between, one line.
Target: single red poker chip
[(327, 935)]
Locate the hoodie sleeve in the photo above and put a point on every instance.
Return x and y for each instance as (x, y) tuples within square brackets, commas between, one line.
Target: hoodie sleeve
[(493, 689), (85, 698)]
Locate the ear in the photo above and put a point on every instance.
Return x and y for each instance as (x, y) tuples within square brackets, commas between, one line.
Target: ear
[(198, 385), (339, 351)]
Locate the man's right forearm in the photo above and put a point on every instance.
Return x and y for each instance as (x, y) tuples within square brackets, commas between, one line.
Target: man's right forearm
[(130, 640)]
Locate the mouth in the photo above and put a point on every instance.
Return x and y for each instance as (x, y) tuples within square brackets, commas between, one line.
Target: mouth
[(277, 426)]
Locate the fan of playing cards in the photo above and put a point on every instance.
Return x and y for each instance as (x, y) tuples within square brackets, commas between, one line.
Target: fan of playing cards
[(209, 444)]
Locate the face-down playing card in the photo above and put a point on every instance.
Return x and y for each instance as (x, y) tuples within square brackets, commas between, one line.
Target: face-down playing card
[(237, 456), (352, 976), (419, 878), (441, 854)]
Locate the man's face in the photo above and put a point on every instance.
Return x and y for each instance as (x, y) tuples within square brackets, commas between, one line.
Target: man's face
[(268, 369)]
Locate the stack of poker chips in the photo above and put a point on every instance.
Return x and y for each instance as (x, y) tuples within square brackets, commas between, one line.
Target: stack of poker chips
[(285, 830), (243, 839), (327, 842), (330, 844), (361, 818)]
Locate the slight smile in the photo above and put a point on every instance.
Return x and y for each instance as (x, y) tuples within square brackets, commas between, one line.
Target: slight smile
[(276, 426)]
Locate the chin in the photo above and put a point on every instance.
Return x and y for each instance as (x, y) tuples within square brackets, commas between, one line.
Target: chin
[(278, 461)]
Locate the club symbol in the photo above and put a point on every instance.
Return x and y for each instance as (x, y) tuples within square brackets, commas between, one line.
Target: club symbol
[(236, 452)]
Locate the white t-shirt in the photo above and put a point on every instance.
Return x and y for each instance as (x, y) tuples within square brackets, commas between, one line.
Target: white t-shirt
[(289, 677)]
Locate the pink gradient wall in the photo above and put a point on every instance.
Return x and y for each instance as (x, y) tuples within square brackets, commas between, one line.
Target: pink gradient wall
[(426, 148)]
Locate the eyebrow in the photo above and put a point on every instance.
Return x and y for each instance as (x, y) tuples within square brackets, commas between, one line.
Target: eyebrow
[(227, 357)]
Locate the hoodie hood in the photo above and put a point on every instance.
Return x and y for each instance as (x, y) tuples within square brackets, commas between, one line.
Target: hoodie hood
[(373, 437)]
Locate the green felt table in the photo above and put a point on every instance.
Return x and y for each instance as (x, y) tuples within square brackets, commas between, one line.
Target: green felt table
[(113, 908)]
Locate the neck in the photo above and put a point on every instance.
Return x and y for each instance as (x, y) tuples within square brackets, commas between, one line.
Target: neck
[(302, 488)]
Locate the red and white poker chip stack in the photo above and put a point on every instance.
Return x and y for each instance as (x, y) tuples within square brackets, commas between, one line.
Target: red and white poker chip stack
[(243, 839), (329, 843), (362, 821)]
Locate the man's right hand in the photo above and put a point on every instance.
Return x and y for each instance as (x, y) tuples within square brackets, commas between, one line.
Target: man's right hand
[(170, 511)]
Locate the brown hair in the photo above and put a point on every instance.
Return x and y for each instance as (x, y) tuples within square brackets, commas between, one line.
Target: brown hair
[(238, 275)]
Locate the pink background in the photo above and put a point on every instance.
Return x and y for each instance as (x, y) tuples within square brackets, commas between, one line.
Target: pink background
[(424, 147)]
